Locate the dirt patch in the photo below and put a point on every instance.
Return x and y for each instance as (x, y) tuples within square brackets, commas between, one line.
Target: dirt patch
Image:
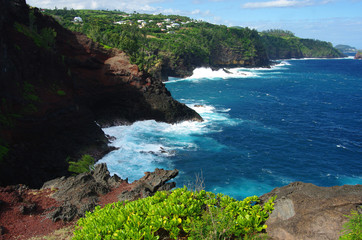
[(23, 212)]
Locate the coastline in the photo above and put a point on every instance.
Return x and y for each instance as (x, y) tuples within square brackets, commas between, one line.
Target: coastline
[(302, 210)]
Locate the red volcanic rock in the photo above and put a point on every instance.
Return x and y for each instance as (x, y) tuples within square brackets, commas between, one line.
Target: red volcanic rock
[(18, 224)]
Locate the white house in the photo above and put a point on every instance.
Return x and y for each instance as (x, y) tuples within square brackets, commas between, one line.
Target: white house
[(175, 25), (78, 19), (120, 22)]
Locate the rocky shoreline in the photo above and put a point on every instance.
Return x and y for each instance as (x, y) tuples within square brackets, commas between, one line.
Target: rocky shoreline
[(302, 210), (62, 201)]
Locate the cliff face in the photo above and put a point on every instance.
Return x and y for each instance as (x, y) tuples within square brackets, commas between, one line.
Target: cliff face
[(234, 57), (54, 85), (294, 47), (220, 57)]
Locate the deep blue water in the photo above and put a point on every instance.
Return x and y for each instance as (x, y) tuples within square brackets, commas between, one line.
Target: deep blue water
[(300, 120)]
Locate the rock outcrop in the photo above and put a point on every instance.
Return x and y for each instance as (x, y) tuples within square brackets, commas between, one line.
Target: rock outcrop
[(358, 55), (63, 200), (306, 211), (150, 184), (224, 57), (57, 88), (81, 193)]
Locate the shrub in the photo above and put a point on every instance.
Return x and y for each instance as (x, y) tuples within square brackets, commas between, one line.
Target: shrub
[(85, 164), (61, 93), (180, 214), (352, 230)]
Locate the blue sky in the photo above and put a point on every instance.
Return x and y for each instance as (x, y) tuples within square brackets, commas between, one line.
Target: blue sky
[(336, 21)]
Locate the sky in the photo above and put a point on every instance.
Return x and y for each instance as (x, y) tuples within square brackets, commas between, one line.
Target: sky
[(335, 21)]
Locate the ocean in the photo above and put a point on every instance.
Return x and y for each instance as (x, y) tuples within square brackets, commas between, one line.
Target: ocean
[(300, 120)]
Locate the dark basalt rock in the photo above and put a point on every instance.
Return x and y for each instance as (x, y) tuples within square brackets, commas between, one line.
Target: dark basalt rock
[(28, 208), (81, 193), (150, 184), (306, 211)]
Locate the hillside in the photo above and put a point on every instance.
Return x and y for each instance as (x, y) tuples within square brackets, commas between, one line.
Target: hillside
[(167, 45), (346, 49), (282, 44), (57, 88)]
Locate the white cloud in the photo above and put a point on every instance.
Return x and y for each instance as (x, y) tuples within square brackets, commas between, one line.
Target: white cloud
[(124, 5), (196, 11), (278, 4)]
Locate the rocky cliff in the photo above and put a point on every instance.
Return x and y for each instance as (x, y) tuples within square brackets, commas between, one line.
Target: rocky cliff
[(279, 47), (55, 85)]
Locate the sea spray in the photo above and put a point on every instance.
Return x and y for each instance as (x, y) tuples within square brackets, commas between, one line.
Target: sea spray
[(146, 145)]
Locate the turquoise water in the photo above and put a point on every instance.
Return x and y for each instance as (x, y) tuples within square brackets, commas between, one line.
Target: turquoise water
[(300, 120)]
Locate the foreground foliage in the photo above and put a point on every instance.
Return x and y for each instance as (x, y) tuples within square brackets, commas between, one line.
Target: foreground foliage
[(352, 230), (180, 214)]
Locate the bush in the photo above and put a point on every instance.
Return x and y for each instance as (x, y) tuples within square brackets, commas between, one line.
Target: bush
[(61, 93), (352, 230), (85, 164), (180, 214), (3, 152)]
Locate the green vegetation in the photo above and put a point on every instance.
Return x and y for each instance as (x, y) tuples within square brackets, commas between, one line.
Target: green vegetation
[(180, 214), (346, 48), (85, 164), (155, 40), (61, 93), (3, 152), (282, 44), (44, 37), (279, 33), (352, 230), (30, 98)]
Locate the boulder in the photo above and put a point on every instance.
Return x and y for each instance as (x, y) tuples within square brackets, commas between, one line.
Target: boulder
[(80, 193), (306, 211), (150, 184)]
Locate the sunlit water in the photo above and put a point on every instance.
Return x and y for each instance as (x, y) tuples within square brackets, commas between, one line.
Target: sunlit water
[(300, 120)]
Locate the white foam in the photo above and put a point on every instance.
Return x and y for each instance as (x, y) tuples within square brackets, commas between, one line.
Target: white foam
[(208, 73), (203, 73), (146, 145), (340, 146)]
